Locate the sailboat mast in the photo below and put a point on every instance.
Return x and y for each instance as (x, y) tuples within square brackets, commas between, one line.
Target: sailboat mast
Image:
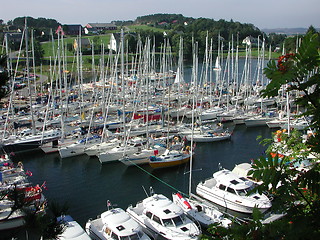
[(28, 77)]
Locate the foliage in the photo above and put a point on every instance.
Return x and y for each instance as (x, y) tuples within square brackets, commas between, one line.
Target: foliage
[(251, 230), (155, 19), (196, 30), (4, 77), (284, 172), (40, 22), (276, 39), (299, 72), (51, 227), (281, 171)]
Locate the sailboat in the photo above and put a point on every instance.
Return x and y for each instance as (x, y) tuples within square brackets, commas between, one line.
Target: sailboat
[(195, 207), (171, 157)]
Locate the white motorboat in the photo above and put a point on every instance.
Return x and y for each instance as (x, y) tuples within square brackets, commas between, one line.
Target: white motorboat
[(229, 190), (200, 212), (242, 170), (161, 218), (72, 229), (210, 136), (115, 224)]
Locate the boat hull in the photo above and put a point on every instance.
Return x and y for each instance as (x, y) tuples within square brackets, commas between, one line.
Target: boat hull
[(166, 164)]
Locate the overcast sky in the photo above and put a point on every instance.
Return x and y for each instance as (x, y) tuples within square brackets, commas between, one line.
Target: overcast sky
[(261, 13)]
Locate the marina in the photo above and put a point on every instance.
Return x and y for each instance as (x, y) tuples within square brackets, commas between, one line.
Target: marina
[(86, 185), (108, 139)]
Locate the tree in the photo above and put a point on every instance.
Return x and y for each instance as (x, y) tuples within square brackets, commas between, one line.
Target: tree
[(299, 72), (295, 189), (4, 77)]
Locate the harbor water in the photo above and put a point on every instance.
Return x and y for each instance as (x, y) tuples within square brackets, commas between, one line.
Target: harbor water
[(85, 185)]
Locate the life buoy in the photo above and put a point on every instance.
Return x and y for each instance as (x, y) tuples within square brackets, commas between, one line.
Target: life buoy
[(184, 201)]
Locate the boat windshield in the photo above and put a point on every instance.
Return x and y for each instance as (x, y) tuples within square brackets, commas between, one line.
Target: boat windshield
[(244, 192), (174, 222), (135, 236)]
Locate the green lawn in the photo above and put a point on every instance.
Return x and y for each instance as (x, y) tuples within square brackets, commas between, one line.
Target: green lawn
[(68, 42)]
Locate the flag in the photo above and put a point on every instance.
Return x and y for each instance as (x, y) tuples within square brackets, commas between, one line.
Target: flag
[(156, 152), (29, 173), (75, 45), (44, 185), (83, 116), (60, 29)]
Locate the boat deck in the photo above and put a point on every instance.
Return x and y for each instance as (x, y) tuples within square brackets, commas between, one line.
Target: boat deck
[(97, 224), (210, 183)]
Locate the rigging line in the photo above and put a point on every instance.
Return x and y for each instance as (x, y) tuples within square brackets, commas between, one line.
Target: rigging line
[(150, 174)]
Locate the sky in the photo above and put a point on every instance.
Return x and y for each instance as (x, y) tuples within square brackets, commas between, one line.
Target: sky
[(261, 13)]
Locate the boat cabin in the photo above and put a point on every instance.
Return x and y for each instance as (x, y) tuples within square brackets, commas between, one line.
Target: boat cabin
[(119, 225), (231, 183), (165, 212)]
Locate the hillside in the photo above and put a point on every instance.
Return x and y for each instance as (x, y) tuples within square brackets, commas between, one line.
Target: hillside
[(286, 31)]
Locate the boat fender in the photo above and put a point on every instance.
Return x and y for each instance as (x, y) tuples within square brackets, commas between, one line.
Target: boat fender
[(184, 201)]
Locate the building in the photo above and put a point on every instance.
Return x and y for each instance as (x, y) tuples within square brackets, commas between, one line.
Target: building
[(13, 37), (251, 41), (99, 27), (85, 44), (73, 29), (115, 41)]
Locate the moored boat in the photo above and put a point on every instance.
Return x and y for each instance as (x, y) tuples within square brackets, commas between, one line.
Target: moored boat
[(229, 190), (72, 229), (200, 212), (161, 218), (170, 158), (115, 224)]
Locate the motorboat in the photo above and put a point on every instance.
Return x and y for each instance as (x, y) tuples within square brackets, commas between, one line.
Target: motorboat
[(72, 229), (200, 211), (229, 190), (161, 218), (210, 136), (115, 224)]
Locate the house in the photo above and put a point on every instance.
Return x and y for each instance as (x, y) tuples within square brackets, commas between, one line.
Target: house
[(99, 27), (115, 41), (163, 23), (73, 29), (13, 37), (85, 44), (251, 41)]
